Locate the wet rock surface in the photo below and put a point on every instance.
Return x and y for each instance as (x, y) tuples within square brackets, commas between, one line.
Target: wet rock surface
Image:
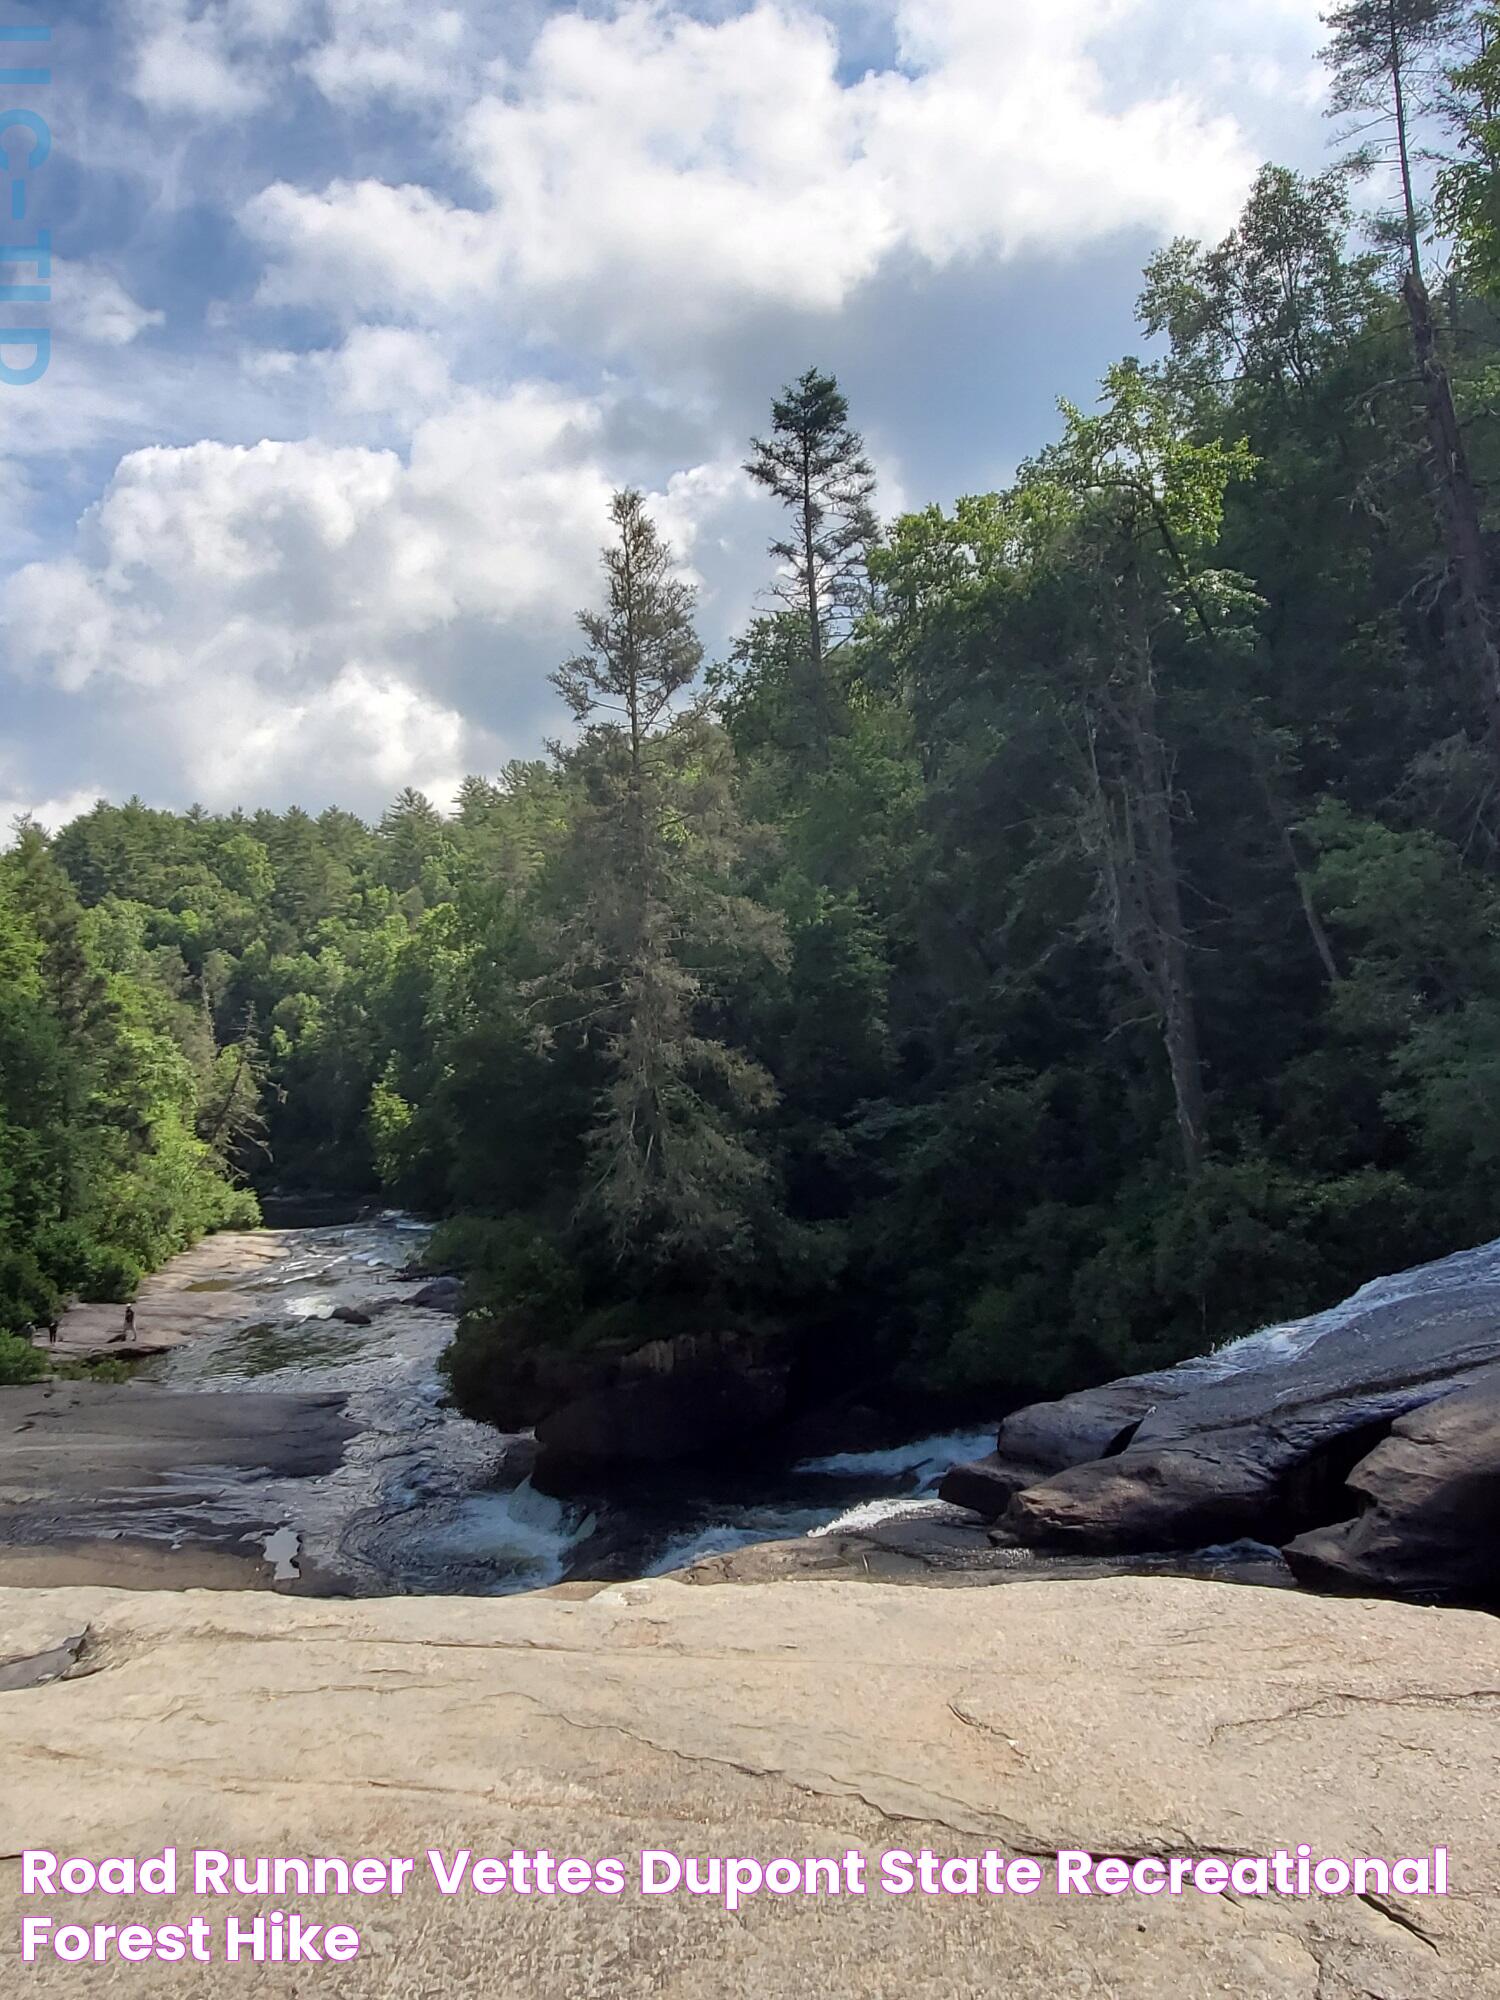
[(1257, 1442), (444, 1295), (62, 1439), (290, 1436), (986, 1486), (951, 1550)]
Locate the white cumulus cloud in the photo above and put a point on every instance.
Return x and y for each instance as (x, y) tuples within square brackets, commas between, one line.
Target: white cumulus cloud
[(650, 174), (323, 617)]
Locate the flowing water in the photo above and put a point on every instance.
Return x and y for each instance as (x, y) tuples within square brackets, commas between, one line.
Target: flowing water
[(425, 1500)]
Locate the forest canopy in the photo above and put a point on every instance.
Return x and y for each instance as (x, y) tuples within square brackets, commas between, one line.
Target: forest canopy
[(1064, 932)]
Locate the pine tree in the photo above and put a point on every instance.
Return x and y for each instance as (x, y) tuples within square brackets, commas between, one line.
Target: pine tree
[(413, 842), (642, 653), (672, 1177), (815, 465)]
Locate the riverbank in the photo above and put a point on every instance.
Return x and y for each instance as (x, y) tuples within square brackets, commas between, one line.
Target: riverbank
[(198, 1289), (1119, 1717), (295, 1435), (283, 1407)]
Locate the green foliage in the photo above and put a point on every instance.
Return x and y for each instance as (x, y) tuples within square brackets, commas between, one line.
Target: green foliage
[(28, 1297), (105, 1067), (814, 463), (1064, 935), (1276, 303), (524, 1295), (19, 1361), (73, 1262), (1468, 183)]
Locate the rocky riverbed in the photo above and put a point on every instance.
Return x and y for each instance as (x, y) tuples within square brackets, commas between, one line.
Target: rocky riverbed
[(1129, 1717), (288, 1427), (285, 1424)]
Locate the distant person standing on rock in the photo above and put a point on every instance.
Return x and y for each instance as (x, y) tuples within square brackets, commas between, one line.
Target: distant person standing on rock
[(52, 1333), (130, 1322)]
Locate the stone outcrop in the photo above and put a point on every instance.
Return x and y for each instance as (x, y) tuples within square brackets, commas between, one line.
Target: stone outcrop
[(646, 1417), (687, 1397), (1051, 1437), (986, 1486), (1258, 1441), (1119, 1717), (444, 1295), (1431, 1499)]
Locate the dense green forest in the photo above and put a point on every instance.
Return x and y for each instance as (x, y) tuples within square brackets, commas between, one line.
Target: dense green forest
[(1064, 933)]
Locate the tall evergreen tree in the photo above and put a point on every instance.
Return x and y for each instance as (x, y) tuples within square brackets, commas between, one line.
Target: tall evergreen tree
[(642, 653), (815, 465), (673, 1177)]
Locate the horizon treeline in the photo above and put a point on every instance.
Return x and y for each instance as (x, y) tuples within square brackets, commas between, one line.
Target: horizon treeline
[(1063, 934)]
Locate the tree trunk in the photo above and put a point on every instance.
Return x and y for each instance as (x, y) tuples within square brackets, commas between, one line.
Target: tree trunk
[(1135, 847), (1458, 508), (1396, 60), (815, 695), (1162, 899), (1317, 929), (1281, 818)]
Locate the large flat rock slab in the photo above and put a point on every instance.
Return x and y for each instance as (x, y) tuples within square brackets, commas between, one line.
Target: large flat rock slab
[(198, 1288), (234, 1461), (1124, 1717), (63, 1440), (126, 1484)]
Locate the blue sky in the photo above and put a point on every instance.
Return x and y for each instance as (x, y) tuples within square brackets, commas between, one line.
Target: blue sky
[(360, 311)]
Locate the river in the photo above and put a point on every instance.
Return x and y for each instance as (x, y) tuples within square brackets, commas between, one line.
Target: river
[(427, 1501), (399, 1494)]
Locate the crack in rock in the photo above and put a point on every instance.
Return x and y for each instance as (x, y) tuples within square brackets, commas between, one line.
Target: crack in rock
[(1398, 1917), (1332, 1706), (33, 1670)]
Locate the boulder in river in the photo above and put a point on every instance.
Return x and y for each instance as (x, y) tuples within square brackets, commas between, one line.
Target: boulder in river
[(1050, 1437), (685, 1396), (442, 1295), (1431, 1521), (986, 1486)]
